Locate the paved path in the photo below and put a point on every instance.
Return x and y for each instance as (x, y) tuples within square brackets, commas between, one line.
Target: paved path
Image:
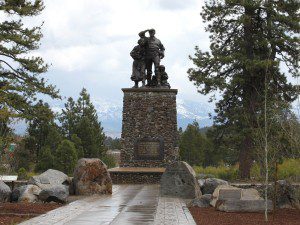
[(129, 204)]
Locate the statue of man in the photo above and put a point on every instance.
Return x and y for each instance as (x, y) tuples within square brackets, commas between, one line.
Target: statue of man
[(154, 53)]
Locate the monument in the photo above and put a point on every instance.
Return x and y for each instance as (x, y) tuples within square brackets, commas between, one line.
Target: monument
[(149, 126)]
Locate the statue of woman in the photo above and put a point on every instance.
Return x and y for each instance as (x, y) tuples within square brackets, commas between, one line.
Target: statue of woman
[(139, 66)]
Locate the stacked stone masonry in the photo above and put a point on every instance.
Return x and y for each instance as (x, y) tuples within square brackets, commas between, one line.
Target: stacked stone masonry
[(149, 127)]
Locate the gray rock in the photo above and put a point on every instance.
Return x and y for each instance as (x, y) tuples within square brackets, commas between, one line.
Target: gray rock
[(216, 194), (179, 181), (201, 182), (49, 178), (26, 193), (211, 184), (250, 194), (55, 193), (91, 177), (203, 201), (5, 192), (287, 195), (236, 205)]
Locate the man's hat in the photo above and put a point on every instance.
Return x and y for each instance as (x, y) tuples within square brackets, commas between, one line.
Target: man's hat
[(151, 30)]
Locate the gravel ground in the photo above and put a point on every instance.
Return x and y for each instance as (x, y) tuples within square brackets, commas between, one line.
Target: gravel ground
[(12, 213), (210, 216)]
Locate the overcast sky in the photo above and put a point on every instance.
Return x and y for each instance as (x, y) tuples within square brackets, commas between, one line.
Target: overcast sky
[(87, 42)]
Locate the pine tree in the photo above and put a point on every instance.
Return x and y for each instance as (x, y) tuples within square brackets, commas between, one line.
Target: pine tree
[(192, 145), (42, 130), (69, 118), (46, 159), (249, 40), (20, 71), (66, 157), (80, 118)]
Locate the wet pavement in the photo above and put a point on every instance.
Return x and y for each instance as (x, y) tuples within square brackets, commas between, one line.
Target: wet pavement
[(129, 204)]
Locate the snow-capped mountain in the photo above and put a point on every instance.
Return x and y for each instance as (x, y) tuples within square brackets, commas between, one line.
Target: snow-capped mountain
[(110, 114)]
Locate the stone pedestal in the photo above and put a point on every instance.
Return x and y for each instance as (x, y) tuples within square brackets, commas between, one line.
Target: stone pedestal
[(149, 127)]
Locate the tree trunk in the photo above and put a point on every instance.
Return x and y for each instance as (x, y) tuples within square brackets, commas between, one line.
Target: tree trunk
[(245, 158), (249, 98)]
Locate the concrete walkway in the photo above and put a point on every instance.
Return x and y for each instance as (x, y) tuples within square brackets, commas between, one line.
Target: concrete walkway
[(129, 204)]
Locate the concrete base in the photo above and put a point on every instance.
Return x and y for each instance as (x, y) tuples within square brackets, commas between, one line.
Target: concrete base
[(136, 175)]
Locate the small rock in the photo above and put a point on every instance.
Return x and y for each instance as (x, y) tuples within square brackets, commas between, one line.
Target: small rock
[(179, 180), (5, 192), (91, 177), (201, 182), (211, 184), (203, 201), (55, 193), (26, 193)]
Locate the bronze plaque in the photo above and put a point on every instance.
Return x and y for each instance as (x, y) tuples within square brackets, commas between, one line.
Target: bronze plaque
[(149, 149)]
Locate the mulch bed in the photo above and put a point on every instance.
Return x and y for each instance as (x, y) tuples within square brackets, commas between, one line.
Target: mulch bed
[(210, 216), (12, 213)]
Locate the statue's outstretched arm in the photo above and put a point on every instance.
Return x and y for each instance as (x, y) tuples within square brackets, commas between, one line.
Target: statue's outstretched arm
[(142, 33)]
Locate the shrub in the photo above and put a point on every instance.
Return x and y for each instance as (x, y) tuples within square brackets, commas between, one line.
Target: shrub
[(22, 174), (289, 169), (66, 157), (222, 172), (109, 160), (46, 159)]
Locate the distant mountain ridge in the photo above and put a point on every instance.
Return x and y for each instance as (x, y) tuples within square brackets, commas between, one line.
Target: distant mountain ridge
[(110, 115)]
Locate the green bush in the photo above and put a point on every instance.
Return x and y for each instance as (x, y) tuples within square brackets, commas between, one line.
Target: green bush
[(109, 161), (289, 169), (66, 157), (22, 174), (222, 172), (255, 172)]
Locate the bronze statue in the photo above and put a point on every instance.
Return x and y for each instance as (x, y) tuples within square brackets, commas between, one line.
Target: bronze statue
[(149, 51), (138, 65)]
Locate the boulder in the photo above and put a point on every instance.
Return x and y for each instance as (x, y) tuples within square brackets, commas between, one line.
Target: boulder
[(211, 184), (238, 205), (287, 196), (227, 192), (49, 178), (250, 194), (55, 193), (203, 201), (26, 193), (91, 177), (179, 180), (5, 192)]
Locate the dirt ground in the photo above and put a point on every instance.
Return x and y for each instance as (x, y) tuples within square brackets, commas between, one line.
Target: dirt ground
[(210, 216), (12, 213)]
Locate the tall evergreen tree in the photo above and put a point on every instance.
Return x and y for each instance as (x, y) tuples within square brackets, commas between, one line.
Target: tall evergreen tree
[(66, 157), (20, 71), (192, 145), (80, 118), (42, 130), (249, 41), (69, 118)]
